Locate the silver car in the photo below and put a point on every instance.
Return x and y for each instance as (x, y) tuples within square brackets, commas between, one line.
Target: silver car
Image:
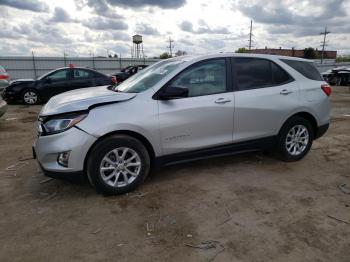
[(183, 109)]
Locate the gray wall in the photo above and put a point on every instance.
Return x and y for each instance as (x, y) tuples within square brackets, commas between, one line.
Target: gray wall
[(29, 67)]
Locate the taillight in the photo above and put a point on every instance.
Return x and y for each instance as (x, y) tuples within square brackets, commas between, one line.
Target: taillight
[(4, 77), (326, 89), (114, 80)]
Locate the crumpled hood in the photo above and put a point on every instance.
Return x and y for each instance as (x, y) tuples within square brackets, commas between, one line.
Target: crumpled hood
[(82, 99)]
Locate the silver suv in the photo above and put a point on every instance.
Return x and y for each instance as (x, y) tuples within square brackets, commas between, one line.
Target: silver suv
[(183, 109)]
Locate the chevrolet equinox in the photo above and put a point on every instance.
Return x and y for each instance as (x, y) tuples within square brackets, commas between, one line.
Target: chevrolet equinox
[(182, 109)]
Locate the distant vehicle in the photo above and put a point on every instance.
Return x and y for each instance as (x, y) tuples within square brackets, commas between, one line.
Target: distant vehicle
[(181, 109), (126, 72), (4, 79), (3, 106), (337, 76), (31, 91)]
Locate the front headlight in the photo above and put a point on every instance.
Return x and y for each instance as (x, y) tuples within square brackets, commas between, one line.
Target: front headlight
[(57, 124)]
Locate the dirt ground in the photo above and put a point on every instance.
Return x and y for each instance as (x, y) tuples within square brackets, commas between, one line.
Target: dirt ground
[(249, 207)]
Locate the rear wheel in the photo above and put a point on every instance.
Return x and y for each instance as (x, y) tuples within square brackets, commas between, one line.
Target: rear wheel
[(295, 139), (30, 97), (118, 164)]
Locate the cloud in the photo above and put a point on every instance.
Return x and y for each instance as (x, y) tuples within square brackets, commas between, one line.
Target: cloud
[(31, 5), (306, 21), (61, 16), (165, 4), (102, 8), (146, 29), (202, 29), (100, 23)]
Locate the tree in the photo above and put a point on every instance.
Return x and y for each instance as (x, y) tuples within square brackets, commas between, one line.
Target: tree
[(180, 53), (242, 50), (164, 56), (309, 53)]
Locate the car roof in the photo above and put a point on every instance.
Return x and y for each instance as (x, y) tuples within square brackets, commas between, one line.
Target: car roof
[(230, 54), (75, 67)]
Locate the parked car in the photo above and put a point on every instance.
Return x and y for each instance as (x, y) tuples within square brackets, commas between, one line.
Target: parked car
[(3, 106), (31, 91), (125, 73), (182, 109), (4, 79)]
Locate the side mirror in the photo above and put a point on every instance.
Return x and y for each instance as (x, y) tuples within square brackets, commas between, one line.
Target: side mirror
[(173, 92), (47, 80)]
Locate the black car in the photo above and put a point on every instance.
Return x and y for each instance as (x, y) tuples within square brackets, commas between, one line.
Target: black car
[(126, 72), (31, 91), (337, 77)]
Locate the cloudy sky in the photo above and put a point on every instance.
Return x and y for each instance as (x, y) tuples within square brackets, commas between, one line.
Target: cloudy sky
[(83, 27)]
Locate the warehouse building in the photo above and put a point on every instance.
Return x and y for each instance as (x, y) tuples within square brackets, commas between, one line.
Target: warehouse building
[(293, 52)]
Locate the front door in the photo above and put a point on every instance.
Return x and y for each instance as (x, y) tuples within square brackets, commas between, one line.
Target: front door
[(203, 119), (55, 83)]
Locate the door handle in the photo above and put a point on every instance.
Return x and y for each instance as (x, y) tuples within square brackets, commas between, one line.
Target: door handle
[(222, 100), (286, 92)]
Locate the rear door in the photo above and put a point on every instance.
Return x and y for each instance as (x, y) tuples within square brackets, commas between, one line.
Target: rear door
[(265, 96), (81, 78), (204, 118)]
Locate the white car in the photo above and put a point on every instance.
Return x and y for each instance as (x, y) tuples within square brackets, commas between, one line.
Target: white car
[(182, 109)]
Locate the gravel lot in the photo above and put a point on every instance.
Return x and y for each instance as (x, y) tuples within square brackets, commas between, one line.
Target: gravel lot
[(251, 207)]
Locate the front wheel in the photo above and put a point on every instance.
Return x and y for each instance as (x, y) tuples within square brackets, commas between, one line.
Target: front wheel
[(118, 164), (295, 139), (30, 97)]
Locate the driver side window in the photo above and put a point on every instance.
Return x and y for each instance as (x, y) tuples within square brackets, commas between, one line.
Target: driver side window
[(204, 78), (58, 76)]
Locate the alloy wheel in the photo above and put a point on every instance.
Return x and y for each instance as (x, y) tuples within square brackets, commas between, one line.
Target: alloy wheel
[(297, 140), (120, 167)]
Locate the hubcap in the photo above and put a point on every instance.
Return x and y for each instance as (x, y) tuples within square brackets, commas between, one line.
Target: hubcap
[(120, 167), (30, 97), (297, 140)]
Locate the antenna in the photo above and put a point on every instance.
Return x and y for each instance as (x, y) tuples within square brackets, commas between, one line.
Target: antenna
[(171, 46), (325, 33)]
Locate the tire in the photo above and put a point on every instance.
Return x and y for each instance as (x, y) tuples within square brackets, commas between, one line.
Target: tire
[(107, 173), (293, 148), (30, 97)]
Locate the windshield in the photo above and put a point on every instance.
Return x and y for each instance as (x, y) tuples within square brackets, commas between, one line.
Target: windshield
[(148, 77)]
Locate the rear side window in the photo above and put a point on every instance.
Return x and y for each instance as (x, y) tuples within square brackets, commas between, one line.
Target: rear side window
[(253, 73), (307, 69), (2, 70), (82, 74), (279, 76)]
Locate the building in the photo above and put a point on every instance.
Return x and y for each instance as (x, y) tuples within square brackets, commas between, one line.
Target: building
[(293, 52)]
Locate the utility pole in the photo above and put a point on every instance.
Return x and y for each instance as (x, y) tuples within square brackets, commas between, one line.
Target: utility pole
[(171, 46), (325, 33), (250, 35)]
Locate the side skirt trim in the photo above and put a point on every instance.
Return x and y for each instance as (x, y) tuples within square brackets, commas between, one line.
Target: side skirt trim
[(235, 148)]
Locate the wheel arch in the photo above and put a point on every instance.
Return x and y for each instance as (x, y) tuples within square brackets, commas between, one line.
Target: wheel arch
[(130, 133), (309, 117)]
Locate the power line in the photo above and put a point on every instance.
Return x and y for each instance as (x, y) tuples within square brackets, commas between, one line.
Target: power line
[(171, 46), (325, 33)]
